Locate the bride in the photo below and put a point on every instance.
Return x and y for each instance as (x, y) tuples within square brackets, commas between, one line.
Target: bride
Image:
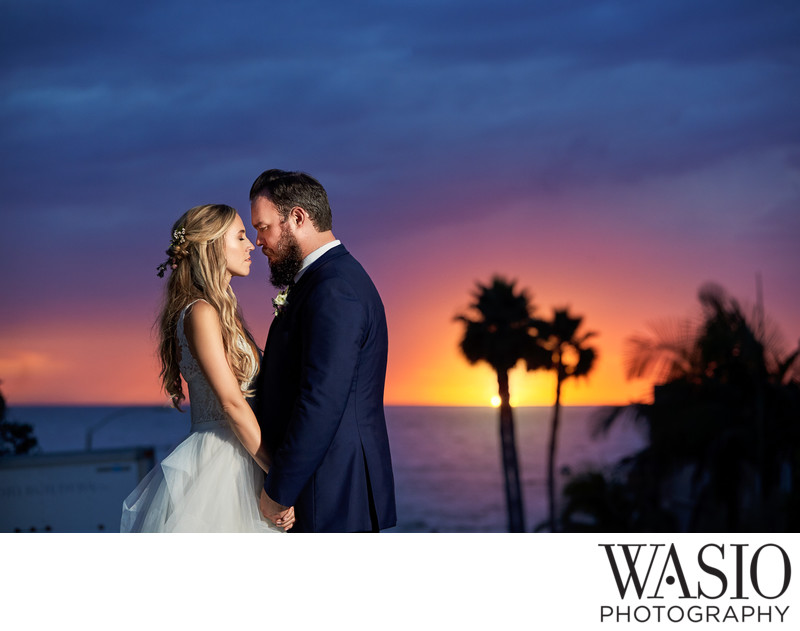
[(212, 480)]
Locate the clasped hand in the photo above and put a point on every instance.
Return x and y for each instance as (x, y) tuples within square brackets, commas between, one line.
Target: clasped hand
[(278, 514)]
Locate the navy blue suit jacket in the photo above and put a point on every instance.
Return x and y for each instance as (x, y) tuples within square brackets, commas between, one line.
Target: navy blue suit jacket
[(320, 401)]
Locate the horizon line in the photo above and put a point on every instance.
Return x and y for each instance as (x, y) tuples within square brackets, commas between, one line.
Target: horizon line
[(10, 406)]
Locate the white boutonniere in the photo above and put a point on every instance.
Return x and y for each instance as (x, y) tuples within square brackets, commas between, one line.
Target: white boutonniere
[(280, 301)]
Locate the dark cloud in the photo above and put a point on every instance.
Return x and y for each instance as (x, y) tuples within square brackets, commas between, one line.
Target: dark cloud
[(593, 33), (579, 90), (116, 118)]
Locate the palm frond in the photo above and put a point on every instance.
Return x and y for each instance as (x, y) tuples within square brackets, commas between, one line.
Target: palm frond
[(665, 354)]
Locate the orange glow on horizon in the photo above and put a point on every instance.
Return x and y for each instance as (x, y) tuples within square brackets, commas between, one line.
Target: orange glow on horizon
[(112, 360), (88, 357), (85, 365), (80, 364)]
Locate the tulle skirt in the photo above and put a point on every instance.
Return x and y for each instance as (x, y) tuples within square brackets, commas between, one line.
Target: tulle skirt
[(209, 483)]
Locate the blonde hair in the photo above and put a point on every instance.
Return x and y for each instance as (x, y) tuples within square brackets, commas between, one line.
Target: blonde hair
[(199, 271)]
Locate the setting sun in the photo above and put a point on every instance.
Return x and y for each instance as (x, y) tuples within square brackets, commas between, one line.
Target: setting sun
[(495, 401)]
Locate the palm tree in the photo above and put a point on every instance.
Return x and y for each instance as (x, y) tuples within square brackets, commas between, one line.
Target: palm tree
[(725, 409), (499, 335), (570, 358)]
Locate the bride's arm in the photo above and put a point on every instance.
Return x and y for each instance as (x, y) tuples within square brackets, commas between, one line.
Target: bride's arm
[(204, 334)]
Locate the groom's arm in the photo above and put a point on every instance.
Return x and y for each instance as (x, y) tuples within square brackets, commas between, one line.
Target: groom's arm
[(333, 323)]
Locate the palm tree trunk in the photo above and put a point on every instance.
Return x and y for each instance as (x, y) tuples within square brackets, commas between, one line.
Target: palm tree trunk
[(516, 521), (551, 458)]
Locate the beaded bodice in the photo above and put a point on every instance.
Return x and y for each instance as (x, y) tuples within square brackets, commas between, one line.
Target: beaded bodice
[(206, 409)]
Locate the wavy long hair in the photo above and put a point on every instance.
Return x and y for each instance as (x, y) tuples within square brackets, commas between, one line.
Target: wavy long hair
[(199, 271)]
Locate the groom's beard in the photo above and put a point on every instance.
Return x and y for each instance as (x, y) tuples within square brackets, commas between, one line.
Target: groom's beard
[(288, 261)]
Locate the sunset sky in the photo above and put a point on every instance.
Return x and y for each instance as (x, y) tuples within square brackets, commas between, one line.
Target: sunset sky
[(609, 156)]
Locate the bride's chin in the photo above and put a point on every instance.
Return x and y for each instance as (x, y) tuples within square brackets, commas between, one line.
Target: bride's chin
[(243, 271)]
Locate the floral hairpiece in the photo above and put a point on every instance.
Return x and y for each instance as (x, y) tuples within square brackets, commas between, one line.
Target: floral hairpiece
[(178, 238)]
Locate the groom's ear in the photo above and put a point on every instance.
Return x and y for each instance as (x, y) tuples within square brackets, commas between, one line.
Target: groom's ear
[(298, 216)]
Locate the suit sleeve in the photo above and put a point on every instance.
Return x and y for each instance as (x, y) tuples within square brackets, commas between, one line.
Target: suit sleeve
[(334, 322)]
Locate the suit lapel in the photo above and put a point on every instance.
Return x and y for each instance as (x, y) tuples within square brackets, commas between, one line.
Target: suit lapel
[(293, 297), (330, 255)]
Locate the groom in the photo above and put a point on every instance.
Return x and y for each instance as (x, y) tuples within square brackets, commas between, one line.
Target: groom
[(320, 389)]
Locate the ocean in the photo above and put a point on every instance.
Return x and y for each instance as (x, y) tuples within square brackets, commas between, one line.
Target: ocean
[(446, 460)]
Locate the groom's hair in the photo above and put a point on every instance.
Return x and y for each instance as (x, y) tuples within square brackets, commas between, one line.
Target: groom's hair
[(287, 189)]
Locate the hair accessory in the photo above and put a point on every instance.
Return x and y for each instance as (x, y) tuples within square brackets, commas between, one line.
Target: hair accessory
[(178, 238)]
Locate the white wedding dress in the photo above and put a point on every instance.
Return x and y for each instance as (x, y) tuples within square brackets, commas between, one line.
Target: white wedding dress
[(209, 483)]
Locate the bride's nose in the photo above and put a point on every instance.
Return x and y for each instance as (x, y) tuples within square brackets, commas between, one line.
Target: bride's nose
[(250, 246)]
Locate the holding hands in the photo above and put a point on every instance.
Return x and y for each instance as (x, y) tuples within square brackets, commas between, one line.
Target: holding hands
[(278, 514)]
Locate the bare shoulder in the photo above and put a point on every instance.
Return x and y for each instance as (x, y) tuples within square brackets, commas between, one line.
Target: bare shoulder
[(200, 318)]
